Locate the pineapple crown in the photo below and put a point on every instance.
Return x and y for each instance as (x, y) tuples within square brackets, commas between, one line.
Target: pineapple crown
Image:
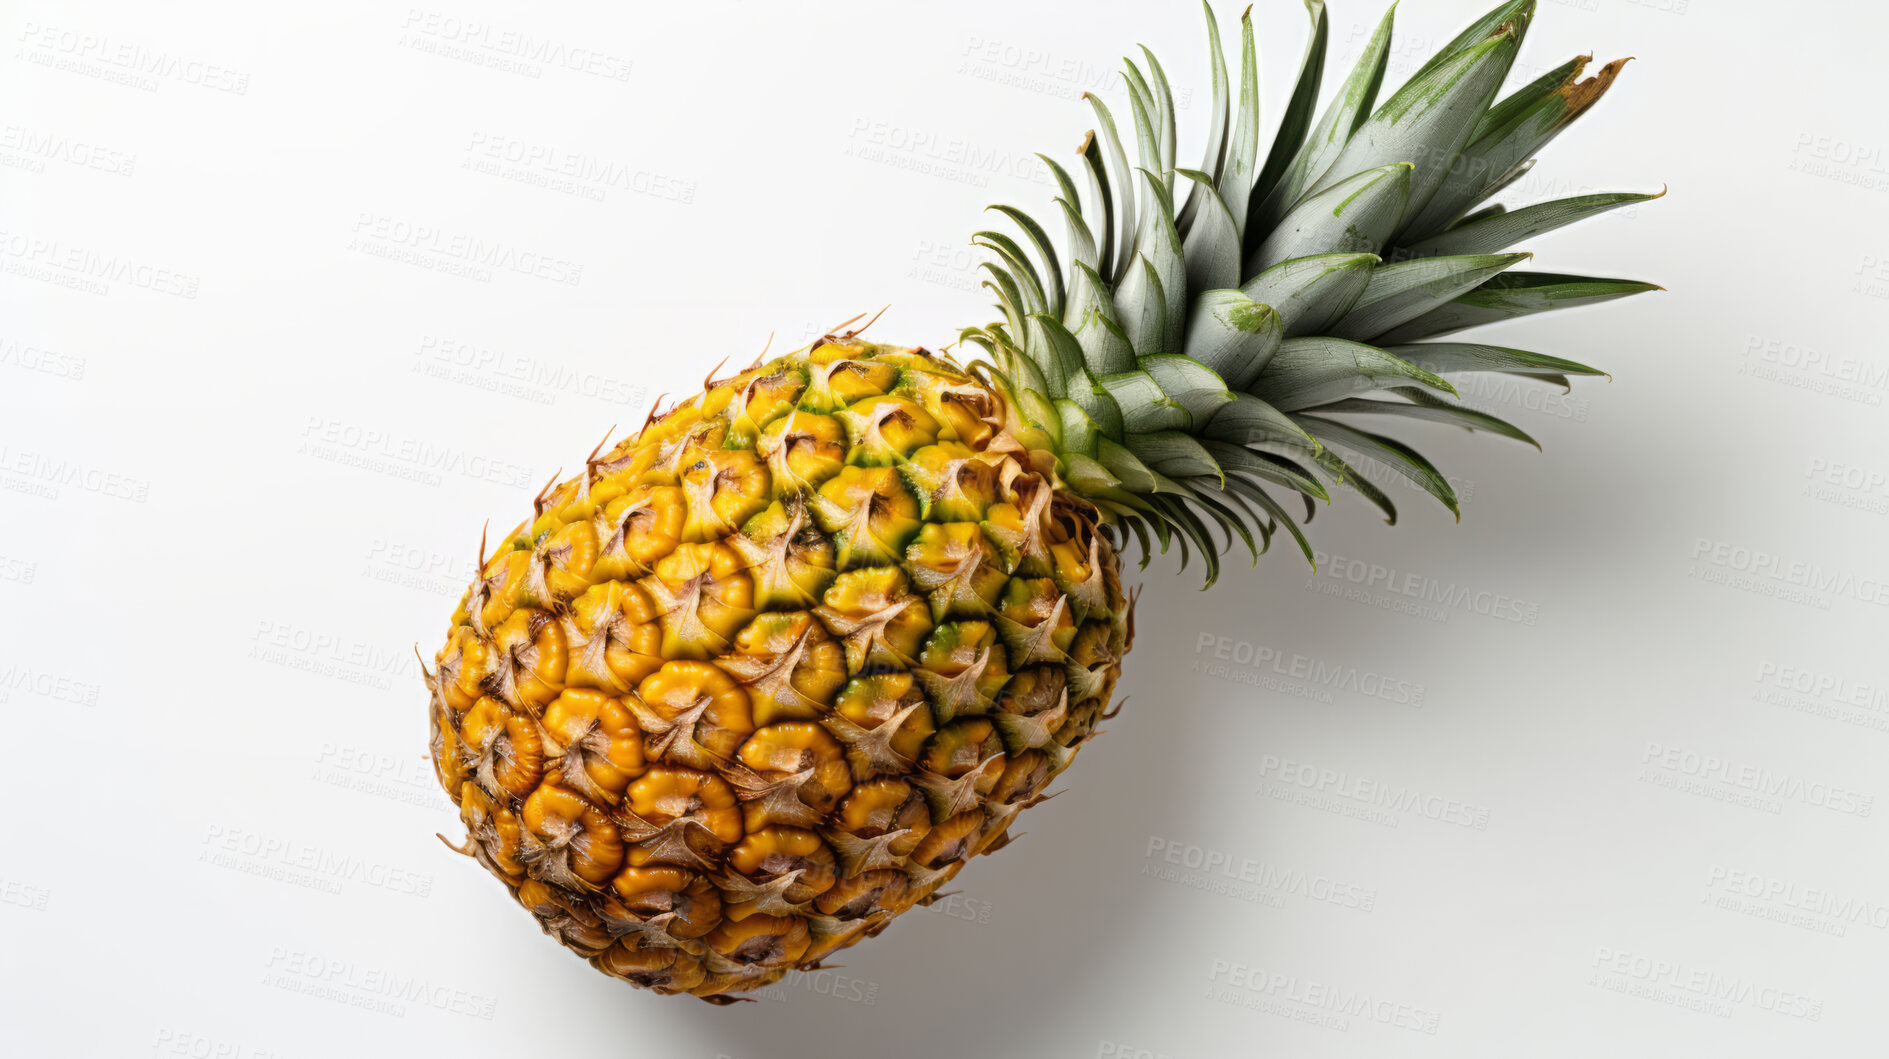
[(1190, 361)]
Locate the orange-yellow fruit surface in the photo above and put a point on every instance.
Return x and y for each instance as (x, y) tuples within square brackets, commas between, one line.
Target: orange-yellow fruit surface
[(766, 675)]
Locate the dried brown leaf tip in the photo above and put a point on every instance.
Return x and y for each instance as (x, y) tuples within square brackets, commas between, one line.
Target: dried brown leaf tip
[(1583, 94)]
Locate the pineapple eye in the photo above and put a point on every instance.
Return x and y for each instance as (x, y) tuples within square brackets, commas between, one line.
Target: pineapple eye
[(704, 597), (957, 566), (693, 712), (878, 892), (600, 743), (569, 842)]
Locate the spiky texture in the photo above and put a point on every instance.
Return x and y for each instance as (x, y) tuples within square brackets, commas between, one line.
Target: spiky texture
[(765, 675), (1192, 361)]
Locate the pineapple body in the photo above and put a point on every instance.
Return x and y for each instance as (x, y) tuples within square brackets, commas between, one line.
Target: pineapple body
[(766, 675)]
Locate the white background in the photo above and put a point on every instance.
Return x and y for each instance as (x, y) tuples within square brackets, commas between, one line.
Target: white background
[(249, 429)]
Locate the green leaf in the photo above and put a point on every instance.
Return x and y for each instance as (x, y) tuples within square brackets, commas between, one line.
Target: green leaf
[(1427, 121), (1105, 349), (1141, 309), (1160, 243), (1236, 521), (1517, 12), (1061, 357), (1318, 370), (1066, 186), (1095, 402), (1038, 409), (1082, 248), (1311, 293), (1249, 421), (1218, 113), (1265, 500), (1238, 460), (1502, 229), (1233, 335), (1342, 117), (1388, 451), (1090, 478), (1297, 119), (1009, 300), (1356, 214), (1211, 247), (1425, 406), (1521, 170), (1236, 180), (1134, 475), (1029, 284), (1510, 295), (1146, 408), (1445, 357), (1052, 358), (1511, 133), (1190, 528), (1116, 165), (1404, 291), (1164, 116), (1096, 169), (1141, 107), (1053, 291), (1174, 454), (1190, 384), (1345, 474), (1080, 433)]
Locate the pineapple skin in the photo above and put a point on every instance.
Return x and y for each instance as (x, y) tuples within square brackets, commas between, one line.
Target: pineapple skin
[(766, 675)]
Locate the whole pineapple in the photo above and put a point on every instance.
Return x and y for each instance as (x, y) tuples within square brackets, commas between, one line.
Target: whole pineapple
[(766, 675)]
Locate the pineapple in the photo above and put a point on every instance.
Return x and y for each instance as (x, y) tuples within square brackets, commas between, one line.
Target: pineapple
[(767, 674)]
